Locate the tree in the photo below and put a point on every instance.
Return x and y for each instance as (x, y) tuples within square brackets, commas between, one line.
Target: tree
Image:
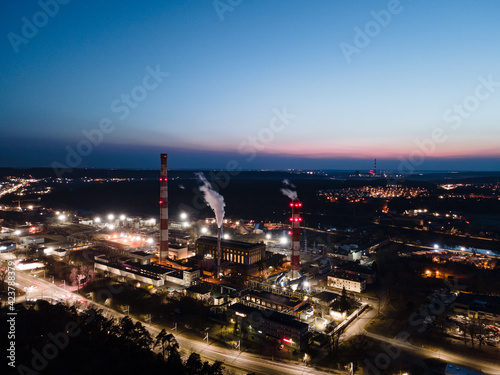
[(74, 277), (480, 333), (359, 345), (141, 336), (216, 368), (344, 301), (126, 328), (193, 364), (334, 340)]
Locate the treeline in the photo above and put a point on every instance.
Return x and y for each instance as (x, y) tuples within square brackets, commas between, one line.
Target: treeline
[(58, 339)]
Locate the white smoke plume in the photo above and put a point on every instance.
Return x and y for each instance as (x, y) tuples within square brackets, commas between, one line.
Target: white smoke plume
[(287, 182), (290, 194), (213, 199)]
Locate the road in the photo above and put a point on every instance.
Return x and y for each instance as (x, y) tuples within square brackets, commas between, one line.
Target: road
[(242, 362), (443, 355), (357, 328), (239, 362)]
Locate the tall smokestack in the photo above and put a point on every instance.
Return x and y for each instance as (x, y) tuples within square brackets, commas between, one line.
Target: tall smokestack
[(219, 235), (375, 168), (163, 207), (295, 247)]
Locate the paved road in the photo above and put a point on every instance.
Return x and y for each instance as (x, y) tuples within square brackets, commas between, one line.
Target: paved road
[(484, 366), (240, 362)]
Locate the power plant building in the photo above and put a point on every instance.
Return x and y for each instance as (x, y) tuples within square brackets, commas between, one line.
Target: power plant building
[(352, 283), (232, 251)]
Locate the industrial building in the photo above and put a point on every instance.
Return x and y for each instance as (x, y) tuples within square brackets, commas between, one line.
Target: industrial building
[(356, 269), (178, 252), (351, 283), (141, 270), (233, 251), (271, 324), (273, 301), (477, 306)]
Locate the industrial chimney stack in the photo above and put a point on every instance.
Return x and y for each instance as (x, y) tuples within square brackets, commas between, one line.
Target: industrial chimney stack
[(295, 246), (219, 235), (163, 207)]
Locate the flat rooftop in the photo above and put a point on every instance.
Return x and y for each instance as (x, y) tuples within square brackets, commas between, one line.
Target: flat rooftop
[(276, 298), (274, 316), (326, 296), (346, 276), (213, 240)]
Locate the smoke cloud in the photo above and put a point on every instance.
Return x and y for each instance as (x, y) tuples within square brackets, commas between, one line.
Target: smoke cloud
[(292, 194), (213, 199)]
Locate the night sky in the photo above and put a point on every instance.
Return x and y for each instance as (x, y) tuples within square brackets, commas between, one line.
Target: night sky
[(268, 84)]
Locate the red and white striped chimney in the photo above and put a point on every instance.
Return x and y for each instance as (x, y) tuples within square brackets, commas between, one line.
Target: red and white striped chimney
[(295, 246), (163, 207)]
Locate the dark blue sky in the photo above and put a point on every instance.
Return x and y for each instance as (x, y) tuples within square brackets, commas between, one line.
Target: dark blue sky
[(282, 84)]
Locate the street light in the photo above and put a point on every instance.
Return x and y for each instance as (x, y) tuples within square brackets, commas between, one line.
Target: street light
[(204, 230), (122, 217), (184, 216), (62, 217), (97, 219), (111, 217)]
